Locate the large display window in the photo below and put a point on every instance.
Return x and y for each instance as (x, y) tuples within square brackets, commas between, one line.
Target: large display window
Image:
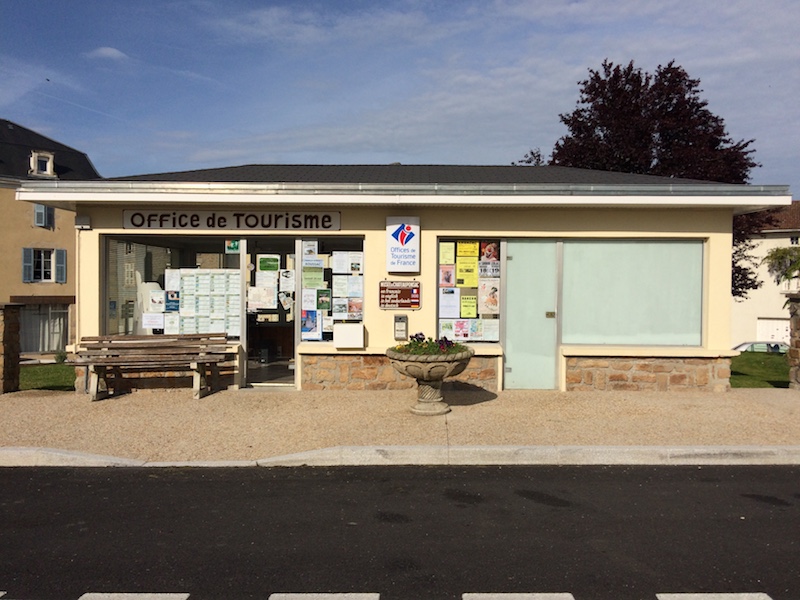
[(469, 290), (155, 284)]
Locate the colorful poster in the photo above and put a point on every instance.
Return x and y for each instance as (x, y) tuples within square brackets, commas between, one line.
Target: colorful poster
[(490, 251), (310, 325), (324, 300), (447, 275), (476, 330), (173, 303), (467, 271), (355, 309), (489, 297), (461, 329), (446, 329)]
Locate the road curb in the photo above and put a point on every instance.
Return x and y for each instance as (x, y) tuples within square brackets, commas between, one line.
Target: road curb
[(437, 455)]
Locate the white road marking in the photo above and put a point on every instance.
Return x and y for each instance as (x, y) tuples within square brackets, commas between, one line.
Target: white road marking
[(711, 596), (124, 596), (518, 596)]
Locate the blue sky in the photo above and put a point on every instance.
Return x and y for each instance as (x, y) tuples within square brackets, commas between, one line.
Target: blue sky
[(152, 86)]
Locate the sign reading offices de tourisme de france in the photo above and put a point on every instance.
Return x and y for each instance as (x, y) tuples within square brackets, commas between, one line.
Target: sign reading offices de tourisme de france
[(402, 244), (231, 220)]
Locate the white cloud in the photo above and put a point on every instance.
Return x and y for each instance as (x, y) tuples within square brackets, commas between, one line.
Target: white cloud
[(107, 53)]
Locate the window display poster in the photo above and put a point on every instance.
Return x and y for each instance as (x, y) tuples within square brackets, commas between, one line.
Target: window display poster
[(447, 253), (310, 325), (447, 275), (172, 279), (310, 248), (468, 248), (339, 285), (268, 262), (309, 299), (461, 329), (323, 300), (355, 309), (355, 286), (266, 279), (173, 303), (153, 320), (489, 296), (449, 303), (490, 251), (172, 323), (313, 273), (469, 306), (340, 262), (491, 330), (488, 268), (356, 262), (286, 300), (467, 271), (476, 330), (339, 309), (286, 280), (446, 329), (157, 301)]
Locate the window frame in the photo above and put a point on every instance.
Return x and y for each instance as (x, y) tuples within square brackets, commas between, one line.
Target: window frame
[(34, 269), (37, 156)]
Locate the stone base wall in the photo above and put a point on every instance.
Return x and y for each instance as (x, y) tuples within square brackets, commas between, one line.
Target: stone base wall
[(374, 372), (648, 374), (9, 337), (794, 342)]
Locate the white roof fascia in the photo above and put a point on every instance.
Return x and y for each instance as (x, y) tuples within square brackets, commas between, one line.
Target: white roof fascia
[(742, 198)]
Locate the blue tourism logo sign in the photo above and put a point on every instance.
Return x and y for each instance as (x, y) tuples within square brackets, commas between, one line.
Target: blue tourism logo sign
[(402, 244)]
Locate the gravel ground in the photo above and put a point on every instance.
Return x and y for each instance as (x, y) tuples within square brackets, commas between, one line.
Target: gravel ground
[(252, 424)]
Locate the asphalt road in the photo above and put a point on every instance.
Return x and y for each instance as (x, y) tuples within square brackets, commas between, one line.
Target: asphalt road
[(600, 533)]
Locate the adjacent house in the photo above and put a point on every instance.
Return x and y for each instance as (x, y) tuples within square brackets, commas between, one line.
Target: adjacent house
[(559, 278), (38, 241), (763, 317)]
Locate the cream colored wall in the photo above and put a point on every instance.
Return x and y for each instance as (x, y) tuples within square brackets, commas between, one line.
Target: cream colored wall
[(712, 225), (18, 231)]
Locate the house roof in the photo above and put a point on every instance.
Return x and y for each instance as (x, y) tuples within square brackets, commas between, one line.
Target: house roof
[(787, 218), (17, 143), (399, 174)]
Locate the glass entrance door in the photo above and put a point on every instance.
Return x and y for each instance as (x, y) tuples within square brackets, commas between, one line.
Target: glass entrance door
[(270, 316), (531, 318)]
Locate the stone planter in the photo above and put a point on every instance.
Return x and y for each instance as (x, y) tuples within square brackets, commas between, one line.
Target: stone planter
[(429, 370)]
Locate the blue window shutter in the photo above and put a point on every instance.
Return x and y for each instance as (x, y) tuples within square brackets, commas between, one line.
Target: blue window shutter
[(61, 266), (40, 215), (27, 265)]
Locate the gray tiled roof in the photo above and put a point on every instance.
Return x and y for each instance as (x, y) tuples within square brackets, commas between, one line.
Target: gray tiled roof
[(17, 142), (408, 174)]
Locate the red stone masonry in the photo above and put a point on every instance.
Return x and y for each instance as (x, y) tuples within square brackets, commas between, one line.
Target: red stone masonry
[(374, 372), (648, 374)]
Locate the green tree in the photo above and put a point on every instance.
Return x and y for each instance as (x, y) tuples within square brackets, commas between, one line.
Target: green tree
[(632, 121)]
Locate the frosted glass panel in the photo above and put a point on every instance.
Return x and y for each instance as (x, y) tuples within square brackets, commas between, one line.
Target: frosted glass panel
[(632, 292)]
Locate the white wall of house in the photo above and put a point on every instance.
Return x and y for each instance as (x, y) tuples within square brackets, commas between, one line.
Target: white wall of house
[(762, 317)]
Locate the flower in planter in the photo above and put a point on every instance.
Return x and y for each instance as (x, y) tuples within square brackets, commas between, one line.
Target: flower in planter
[(419, 344)]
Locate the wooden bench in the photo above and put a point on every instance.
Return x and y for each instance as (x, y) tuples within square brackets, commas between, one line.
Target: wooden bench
[(107, 357)]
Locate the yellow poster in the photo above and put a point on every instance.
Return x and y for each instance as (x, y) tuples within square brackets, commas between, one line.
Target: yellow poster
[(469, 307), (467, 248), (447, 253), (467, 271)]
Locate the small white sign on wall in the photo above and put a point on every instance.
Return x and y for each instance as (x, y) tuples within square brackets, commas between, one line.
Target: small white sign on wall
[(402, 244)]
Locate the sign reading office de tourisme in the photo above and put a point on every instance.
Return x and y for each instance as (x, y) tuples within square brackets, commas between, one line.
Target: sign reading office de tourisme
[(232, 220)]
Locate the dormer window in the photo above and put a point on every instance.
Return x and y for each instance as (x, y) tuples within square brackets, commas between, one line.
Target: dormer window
[(42, 164)]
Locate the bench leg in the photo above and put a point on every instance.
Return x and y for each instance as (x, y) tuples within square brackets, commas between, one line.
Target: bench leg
[(199, 381), (96, 374)]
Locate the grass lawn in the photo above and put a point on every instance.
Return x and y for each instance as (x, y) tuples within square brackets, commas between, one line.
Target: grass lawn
[(760, 369), (47, 377)]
